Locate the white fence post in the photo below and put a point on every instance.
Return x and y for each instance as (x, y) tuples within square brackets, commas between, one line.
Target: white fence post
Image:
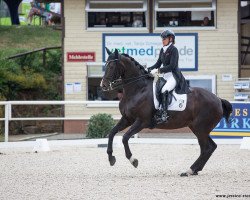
[(6, 125)]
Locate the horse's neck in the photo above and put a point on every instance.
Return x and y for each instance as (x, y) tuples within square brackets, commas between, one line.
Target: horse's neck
[(131, 74), (135, 85)]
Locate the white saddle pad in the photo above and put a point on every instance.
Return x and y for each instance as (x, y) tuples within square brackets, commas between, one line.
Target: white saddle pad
[(179, 101)]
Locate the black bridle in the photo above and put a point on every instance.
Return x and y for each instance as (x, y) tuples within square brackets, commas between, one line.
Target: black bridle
[(121, 83)]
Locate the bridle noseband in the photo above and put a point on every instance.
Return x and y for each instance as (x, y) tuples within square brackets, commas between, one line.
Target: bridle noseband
[(110, 84)]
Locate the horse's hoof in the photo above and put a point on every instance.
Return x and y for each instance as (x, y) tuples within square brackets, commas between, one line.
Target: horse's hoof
[(184, 174), (112, 160), (188, 174), (135, 163)]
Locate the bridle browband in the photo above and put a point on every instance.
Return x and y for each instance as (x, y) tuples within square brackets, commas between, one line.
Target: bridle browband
[(118, 83)]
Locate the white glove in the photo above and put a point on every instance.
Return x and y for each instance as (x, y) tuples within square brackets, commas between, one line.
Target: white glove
[(155, 72)]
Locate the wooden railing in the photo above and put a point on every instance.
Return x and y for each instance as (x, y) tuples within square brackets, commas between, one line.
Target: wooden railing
[(44, 50)]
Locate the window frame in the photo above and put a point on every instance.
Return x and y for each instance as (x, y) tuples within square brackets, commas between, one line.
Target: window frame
[(206, 77), (144, 9), (213, 8)]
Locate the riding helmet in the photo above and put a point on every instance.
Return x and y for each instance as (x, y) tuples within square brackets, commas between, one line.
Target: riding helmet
[(166, 33)]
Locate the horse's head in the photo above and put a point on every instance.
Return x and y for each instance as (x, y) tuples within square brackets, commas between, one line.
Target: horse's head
[(120, 70), (113, 71)]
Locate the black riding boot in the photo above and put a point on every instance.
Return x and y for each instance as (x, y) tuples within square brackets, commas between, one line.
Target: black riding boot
[(161, 115), (164, 115)]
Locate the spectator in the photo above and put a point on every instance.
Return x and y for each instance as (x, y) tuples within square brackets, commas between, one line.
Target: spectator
[(173, 22), (47, 16), (55, 19), (205, 21), (55, 10), (36, 9), (137, 22)]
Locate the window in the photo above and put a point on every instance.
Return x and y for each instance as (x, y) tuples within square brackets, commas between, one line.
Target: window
[(95, 74), (207, 82), (188, 13), (95, 92), (116, 14)]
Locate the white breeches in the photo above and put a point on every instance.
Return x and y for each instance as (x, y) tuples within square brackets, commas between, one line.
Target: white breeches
[(170, 84)]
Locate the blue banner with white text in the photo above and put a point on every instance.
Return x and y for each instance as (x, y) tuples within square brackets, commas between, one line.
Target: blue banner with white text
[(239, 122)]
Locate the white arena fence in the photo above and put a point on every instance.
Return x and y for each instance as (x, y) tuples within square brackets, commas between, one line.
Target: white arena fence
[(94, 104), (8, 111)]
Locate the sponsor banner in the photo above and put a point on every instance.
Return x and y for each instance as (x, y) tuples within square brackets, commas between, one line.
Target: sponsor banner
[(239, 124), (80, 56), (145, 48)]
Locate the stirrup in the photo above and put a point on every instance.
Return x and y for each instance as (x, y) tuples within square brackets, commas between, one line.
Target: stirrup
[(164, 117), (161, 118)]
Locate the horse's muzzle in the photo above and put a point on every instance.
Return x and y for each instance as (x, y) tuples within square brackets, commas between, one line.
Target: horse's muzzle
[(104, 85)]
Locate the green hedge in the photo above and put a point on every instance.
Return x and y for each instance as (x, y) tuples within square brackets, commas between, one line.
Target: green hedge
[(100, 125), (28, 73)]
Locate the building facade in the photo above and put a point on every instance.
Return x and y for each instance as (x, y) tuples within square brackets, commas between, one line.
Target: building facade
[(210, 28)]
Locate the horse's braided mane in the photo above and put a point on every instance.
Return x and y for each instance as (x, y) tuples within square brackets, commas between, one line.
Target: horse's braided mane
[(136, 63)]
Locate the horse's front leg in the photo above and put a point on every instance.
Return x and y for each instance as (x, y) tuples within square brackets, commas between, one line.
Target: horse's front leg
[(135, 128), (122, 124)]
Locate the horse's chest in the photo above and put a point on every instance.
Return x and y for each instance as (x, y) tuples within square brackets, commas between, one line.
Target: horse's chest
[(128, 109)]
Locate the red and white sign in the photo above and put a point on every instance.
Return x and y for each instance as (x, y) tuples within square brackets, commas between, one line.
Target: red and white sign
[(80, 56)]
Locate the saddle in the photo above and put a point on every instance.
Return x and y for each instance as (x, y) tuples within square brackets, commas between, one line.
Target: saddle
[(159, 85), (177, 102)]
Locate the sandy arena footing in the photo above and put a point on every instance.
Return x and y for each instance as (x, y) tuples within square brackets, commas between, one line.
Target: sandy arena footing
[(85, 173)]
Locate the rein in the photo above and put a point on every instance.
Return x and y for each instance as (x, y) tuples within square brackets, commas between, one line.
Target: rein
[(118, 83)]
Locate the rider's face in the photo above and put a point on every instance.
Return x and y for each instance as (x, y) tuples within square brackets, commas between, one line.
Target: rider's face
[(165, 41)]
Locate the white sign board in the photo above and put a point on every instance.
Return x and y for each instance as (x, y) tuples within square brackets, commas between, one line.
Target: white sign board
[(69, 88), (145, 48), (77, 87), (227, 77)]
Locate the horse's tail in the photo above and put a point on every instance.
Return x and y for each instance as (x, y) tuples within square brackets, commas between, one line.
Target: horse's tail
[(227, 109)]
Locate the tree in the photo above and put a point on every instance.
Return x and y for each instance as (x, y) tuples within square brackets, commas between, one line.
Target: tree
[(13, 8)]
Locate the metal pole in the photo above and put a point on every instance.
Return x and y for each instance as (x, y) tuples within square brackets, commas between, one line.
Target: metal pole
[(6, 126), (44, 58), (151, 15)]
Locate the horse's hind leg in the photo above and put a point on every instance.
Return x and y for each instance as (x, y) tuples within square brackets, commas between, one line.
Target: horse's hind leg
[(135, 128), (122, 124), (207, 147)]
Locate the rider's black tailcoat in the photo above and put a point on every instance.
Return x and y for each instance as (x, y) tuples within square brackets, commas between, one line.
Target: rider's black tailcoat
[(169, 59)]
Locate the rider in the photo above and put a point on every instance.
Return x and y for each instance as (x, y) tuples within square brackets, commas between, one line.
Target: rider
[(169, 57)]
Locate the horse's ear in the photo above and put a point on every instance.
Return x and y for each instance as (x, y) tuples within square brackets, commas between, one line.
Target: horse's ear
[(108, 51), (116, 54)]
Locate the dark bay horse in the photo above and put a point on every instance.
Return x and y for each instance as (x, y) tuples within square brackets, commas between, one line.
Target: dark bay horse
[(203, 112)]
